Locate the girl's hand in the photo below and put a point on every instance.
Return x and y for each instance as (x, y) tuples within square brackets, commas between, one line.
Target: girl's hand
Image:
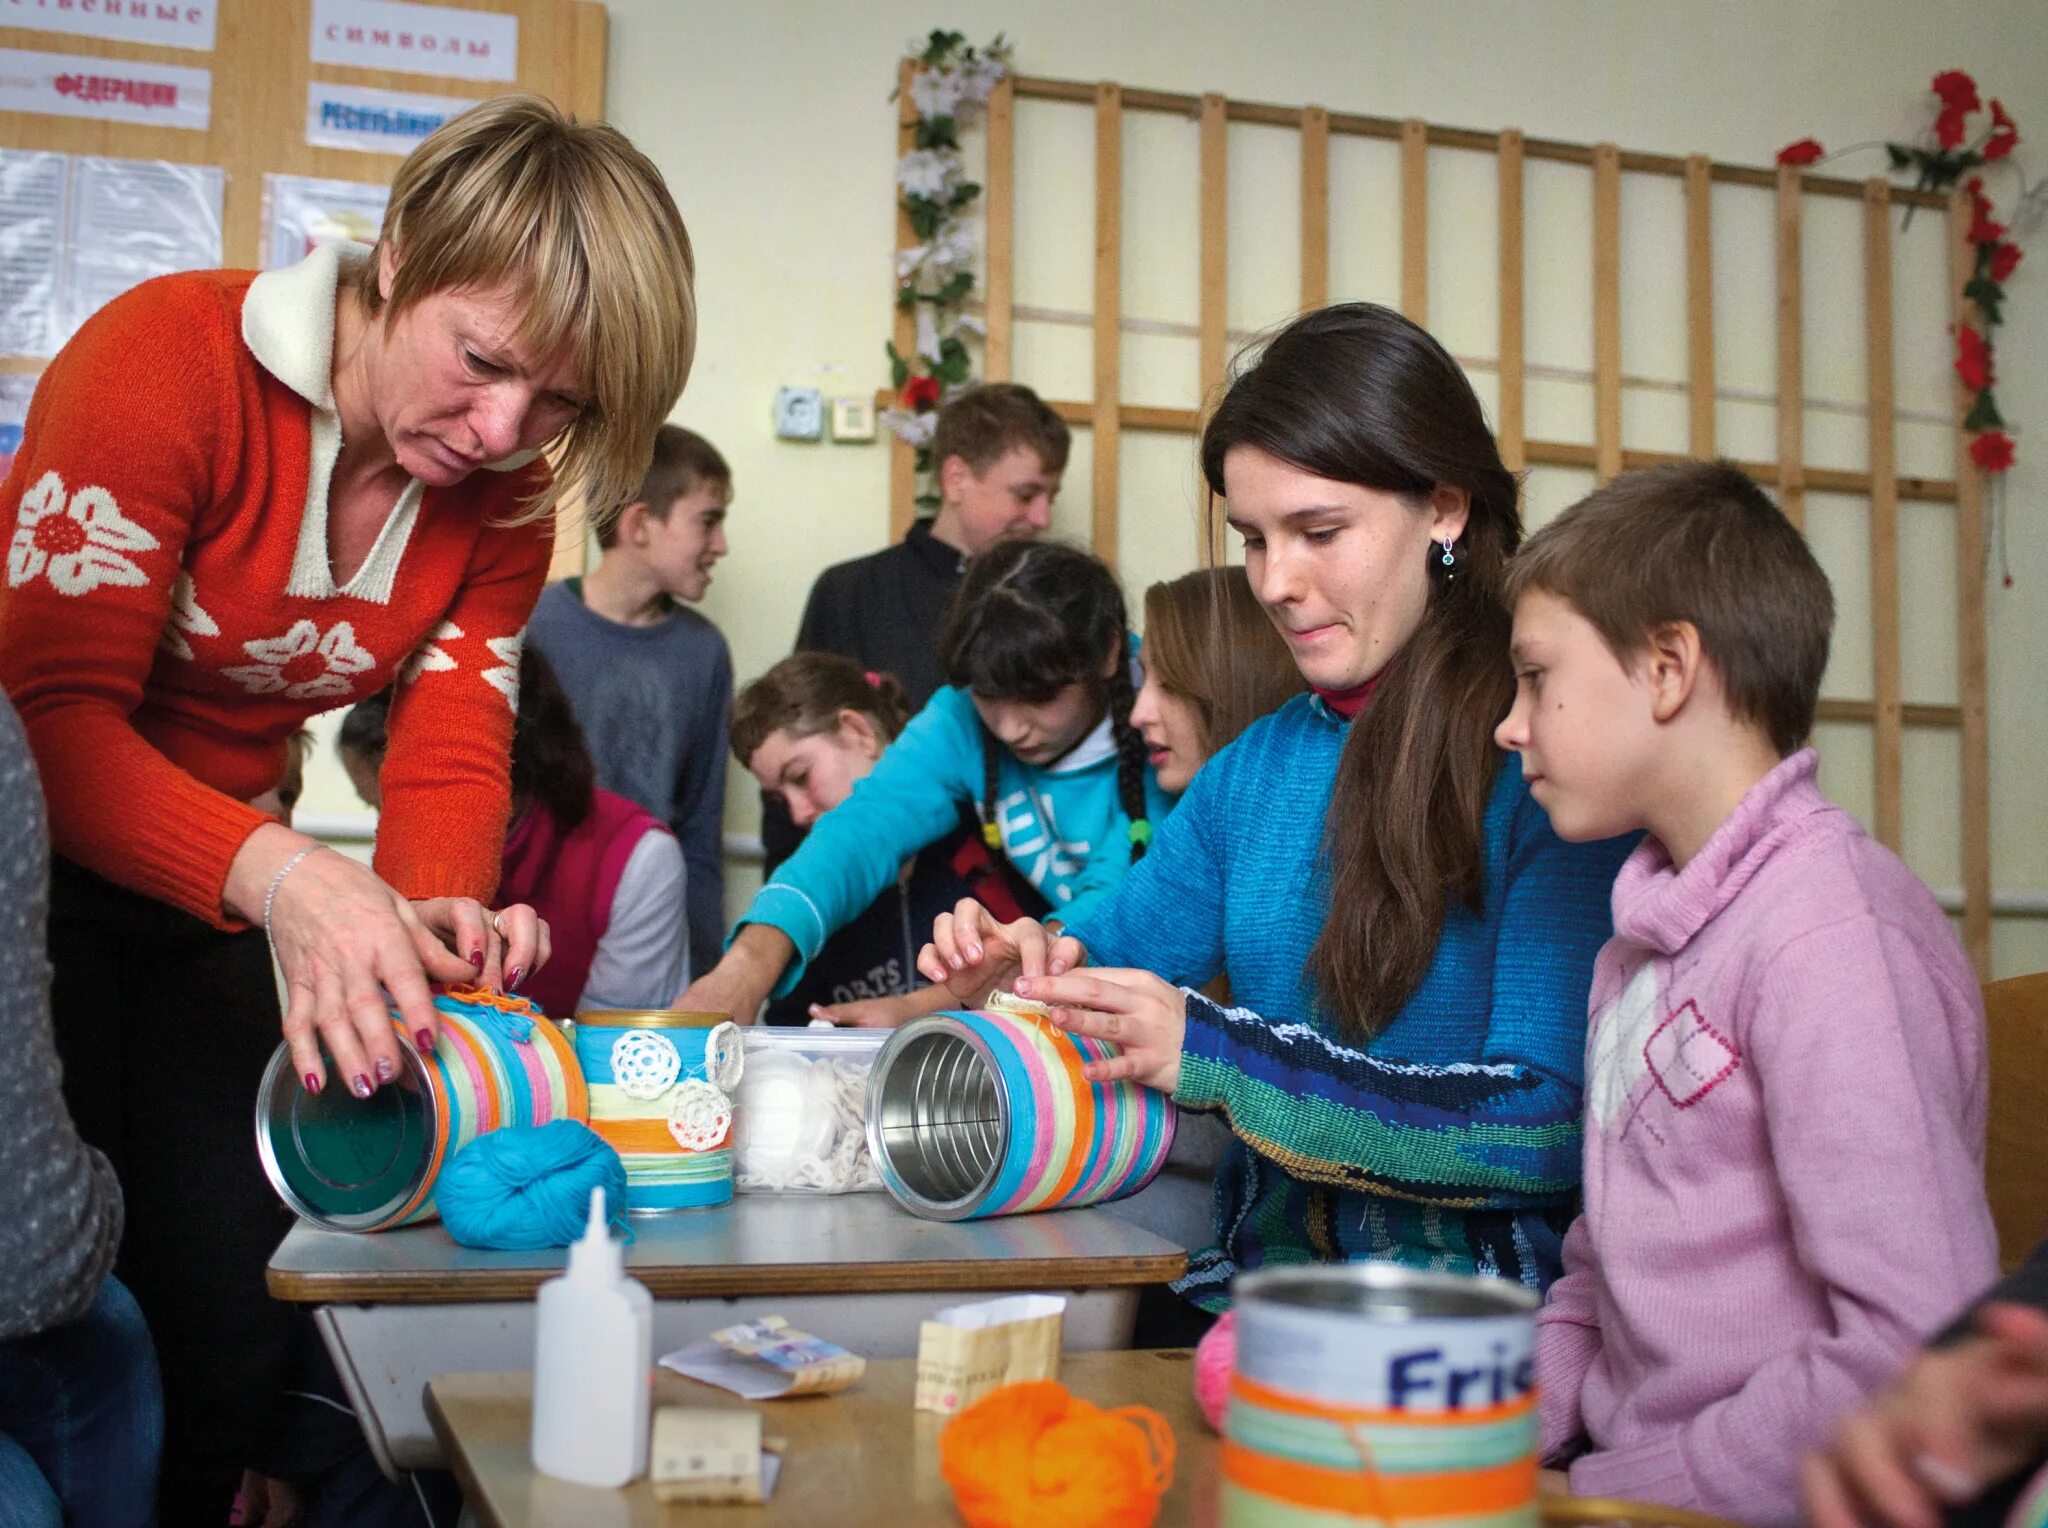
[(744, 977), (504, 947), (344, 941), (1956, 1423), (1144, 1015), (884, 1012), (972, 954)]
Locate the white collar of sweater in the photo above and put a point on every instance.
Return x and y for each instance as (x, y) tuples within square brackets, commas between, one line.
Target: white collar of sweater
[(288, 325), (1663, 908)]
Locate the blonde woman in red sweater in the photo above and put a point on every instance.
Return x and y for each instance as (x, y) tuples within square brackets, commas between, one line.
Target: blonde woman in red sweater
[(242, 499)]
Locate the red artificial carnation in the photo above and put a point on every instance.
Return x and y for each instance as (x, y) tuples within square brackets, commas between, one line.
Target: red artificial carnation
[(1992, 451), (1973, 359), (1957, 90), (1948, 127), (2005, 133), (1805, 151), (2004, 260), (921, 392)]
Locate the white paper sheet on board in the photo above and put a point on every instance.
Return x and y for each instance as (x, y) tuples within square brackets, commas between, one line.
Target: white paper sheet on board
[(421, 39), (131, 219), (112, 89), (301, 213), (166, 23), (31, 234)]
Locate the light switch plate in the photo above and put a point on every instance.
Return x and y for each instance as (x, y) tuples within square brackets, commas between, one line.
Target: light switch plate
[(799, 413), (853, 419)]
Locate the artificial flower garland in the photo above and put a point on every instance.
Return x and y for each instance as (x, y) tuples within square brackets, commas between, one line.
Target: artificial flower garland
[(935, 278), (1943, 157)]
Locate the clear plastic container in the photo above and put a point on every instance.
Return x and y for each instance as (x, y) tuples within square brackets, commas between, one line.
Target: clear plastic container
[(800, 1113)]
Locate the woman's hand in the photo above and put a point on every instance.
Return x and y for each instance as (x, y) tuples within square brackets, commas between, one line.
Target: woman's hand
[(264, 1501), (1146, 1017), (1956, 1423), (505, 947), (344, 939), (884, 1012), (973, 954), (742, 981)]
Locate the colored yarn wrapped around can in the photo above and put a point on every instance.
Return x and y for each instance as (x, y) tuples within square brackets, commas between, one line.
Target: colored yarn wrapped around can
[(987, 1113), (1215, 1357), (1034, 1456), (661, 1086), (370, 1164), (526, 1187), (1374, 1393)]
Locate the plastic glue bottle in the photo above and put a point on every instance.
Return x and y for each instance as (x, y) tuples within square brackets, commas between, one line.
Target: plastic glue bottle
[(592, 1363)]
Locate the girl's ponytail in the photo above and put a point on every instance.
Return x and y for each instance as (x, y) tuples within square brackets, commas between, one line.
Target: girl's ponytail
[(1130, 760)]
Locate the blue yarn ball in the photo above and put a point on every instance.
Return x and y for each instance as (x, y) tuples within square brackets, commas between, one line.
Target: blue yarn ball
[(528, 1186)]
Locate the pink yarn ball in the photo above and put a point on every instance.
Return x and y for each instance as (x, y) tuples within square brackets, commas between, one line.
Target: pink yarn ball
[(1215, 1357)]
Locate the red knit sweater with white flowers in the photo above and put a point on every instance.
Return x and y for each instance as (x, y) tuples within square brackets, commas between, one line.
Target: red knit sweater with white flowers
[(170, 617)]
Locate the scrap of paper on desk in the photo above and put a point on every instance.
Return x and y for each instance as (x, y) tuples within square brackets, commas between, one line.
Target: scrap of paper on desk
[(767, 1359), (965, 1351), (709, 1457)]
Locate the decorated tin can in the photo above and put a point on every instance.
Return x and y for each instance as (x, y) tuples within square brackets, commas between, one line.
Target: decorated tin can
[(986, 1113), (368, 1164), (661, 1086), (1370, 1392)]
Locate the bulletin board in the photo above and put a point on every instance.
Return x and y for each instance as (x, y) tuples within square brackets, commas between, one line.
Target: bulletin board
[(261, 68)]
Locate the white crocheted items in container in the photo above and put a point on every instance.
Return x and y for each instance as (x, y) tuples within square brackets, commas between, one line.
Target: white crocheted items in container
[(724, 1057), (804, 1126), (645, 1064)]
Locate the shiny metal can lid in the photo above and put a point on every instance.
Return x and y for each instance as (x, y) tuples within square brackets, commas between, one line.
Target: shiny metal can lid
[(347, 1163)]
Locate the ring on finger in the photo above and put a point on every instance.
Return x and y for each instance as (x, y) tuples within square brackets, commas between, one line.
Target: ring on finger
[(498, 924)]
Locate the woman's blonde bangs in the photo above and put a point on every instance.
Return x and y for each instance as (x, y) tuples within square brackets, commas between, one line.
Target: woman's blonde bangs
[(582, 222)]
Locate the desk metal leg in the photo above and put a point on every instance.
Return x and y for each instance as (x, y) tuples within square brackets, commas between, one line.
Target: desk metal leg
[(385, 1354)]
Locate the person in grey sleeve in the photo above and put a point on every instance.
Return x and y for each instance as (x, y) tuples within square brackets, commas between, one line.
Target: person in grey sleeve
[(81, 1410)]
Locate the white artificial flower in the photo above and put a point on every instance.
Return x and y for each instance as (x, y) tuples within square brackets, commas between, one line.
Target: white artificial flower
[(910, 261), (913, 429), (929, 173), (981, 75), (973, 323), (937, 92), (928, 332)]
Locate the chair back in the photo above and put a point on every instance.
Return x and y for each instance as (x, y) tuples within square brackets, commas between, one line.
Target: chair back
[(2016, 1144)]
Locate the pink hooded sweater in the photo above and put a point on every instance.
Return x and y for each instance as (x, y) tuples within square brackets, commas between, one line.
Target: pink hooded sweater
[(1784, 1189)]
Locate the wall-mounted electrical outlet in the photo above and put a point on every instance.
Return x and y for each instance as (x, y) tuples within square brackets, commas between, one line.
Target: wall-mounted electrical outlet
[(799, 413)]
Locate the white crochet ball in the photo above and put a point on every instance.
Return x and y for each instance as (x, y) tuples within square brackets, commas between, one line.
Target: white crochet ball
[(786, 1110)]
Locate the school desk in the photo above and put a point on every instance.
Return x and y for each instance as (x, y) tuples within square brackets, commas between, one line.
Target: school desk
[(398, 1307), (859, 1457)]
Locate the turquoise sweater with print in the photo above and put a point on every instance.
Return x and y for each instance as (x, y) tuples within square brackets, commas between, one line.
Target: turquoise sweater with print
[(1062, 826), (1451, 1138)]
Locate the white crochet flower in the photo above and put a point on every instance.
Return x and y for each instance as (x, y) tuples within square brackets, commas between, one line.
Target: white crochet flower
[(305, 663), (186, 616), (77, 544)]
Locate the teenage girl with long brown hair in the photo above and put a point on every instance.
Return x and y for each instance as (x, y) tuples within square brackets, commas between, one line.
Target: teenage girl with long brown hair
[(1407, 940)]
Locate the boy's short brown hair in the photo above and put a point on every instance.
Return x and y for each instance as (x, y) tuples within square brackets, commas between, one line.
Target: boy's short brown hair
[(986, 421), (683, 461), (1698, 542)]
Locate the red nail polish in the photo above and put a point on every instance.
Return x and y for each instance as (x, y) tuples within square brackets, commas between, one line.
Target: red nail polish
[(513, 984), (313, 1083), (424, 1039), (476, 958)]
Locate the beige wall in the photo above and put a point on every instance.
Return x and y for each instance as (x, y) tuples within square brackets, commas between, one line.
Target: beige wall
[(772, 125)]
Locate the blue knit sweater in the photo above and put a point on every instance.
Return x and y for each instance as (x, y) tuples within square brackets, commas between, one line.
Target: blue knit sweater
[(1448, 1140)]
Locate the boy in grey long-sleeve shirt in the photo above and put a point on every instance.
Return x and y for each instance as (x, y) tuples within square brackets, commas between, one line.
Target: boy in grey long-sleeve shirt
[(60, 1207)]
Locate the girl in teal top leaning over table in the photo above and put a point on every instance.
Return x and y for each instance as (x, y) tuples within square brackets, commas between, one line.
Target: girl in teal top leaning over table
[(1032, 734), (1408, 944)]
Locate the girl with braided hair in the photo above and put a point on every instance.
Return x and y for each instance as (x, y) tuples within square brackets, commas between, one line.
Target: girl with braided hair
[(1032, 732)]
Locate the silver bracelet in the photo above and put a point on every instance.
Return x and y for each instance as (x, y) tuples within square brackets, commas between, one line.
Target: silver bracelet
[(270, 896)]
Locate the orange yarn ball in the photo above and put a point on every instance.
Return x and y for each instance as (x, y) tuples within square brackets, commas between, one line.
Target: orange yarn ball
[(1034, 1456)]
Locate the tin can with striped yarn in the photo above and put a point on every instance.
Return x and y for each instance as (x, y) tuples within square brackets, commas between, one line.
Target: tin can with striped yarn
[(661, 1085), (1371, 1392), (974, 1114), (370, 1164)]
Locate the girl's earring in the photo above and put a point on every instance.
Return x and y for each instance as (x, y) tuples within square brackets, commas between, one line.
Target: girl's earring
[(1449, 561)]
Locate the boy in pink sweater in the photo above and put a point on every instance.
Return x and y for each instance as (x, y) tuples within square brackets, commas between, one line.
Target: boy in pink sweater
[(1785, 1077)]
